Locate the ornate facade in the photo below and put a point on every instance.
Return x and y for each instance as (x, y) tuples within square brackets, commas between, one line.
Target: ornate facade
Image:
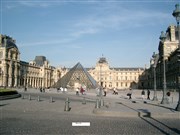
[(120, 78), (9, 62), (16, 73), (171, 56), (39, 73)]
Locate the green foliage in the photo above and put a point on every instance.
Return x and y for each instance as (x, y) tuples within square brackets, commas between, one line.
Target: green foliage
[(4, 92)]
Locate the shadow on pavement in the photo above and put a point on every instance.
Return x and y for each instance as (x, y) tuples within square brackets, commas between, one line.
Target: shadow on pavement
[(173, 129), (171, 109), (1, 105), (148, 115)]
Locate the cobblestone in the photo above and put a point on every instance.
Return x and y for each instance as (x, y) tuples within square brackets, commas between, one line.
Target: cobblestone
[(23, 116)]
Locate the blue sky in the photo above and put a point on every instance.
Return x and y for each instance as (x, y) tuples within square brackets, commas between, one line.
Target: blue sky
[(126, 32)]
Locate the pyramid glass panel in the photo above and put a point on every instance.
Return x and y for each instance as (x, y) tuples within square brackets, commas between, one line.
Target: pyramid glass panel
[(77, 75)]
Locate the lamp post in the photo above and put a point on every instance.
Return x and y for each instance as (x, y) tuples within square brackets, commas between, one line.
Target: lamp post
[(101, 90), (100, 75), (176, 14), (155, 59), (1, 73), (164, 98)]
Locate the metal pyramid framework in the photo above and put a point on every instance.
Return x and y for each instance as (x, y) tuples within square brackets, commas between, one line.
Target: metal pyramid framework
[(77, 75)]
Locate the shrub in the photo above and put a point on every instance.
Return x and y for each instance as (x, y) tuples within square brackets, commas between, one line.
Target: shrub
[(4, 92)]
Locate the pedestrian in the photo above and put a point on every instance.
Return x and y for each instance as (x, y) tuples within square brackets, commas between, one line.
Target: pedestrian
[(97, 91), (61, 88), (115, 91), (57, 89), (82, 90), (104, 91), (40, 89), (168, 93), (65, 89), (148, 94), (142, 94), (43, 89), (130, 93), (77, 91), (25, 89)]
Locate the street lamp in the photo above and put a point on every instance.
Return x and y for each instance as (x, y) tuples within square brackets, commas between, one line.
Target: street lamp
[(101, 90), (155, 59), (100, 68), (1, 73), (164, 99), (176, 14)]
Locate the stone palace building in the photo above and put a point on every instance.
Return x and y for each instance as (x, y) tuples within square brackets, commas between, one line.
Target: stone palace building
[(120, 78), (167, 50), (39, 73)]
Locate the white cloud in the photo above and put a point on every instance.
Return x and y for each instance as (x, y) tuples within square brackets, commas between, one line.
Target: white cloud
[(47, 42), (84, 31), (117, 19), (43, 4)]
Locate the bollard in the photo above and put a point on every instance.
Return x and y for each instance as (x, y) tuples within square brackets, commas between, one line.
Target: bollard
[(97, 104), (51, 100), (172, 99), (101, 102), (84, 101), (66, 107), (22, 97), (29, 97), (133, 101), (38, 99)]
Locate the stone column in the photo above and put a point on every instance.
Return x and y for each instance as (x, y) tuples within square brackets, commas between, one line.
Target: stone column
[(39, 82), (15, 75), (25, 81), (4, 79), (30, 81), (35, 82), (10, 75)]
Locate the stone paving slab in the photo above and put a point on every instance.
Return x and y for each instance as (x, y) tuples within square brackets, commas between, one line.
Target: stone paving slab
[(134, 108), (115, 105)]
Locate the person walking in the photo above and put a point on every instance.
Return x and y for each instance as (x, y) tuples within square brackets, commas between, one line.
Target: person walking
[(77, 91), (130, 93), (82, 90), (104, 89), (142, 94), (148, 94)]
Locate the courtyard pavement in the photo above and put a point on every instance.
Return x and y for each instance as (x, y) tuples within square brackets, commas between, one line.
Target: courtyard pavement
[(114, 105)]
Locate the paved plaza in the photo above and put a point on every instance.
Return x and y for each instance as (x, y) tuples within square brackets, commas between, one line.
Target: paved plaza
[(44, 113)]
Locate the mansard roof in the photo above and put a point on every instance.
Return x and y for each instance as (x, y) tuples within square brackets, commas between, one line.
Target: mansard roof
[(102, 60), (39, 60), (7, 42), (127, 69)]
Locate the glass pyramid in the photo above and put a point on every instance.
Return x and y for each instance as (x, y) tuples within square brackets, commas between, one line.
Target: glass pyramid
[(77, 75)]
